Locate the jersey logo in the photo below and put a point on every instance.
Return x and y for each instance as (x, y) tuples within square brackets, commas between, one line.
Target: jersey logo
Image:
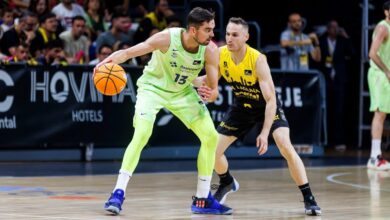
[(196, 62), (173, 64), (246, 105), (225, 64), (248, 72)]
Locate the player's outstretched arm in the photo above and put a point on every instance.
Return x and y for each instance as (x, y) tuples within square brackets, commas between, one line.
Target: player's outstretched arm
[(159, 41), (211, 67), (268, 90)]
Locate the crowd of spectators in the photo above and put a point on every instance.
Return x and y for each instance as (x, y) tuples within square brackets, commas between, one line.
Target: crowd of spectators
[(77, 32)]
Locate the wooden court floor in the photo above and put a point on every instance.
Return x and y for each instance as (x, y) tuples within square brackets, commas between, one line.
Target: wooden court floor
[(342, 192)]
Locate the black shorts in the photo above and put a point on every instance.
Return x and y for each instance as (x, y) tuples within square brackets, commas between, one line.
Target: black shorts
[(239, 121)]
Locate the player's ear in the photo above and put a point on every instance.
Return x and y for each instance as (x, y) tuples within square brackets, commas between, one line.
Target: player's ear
[(246, 36), (192, 29)]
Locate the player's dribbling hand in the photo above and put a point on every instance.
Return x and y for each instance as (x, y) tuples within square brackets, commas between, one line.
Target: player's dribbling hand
[(100, 64), (204, 92), (262, 144)]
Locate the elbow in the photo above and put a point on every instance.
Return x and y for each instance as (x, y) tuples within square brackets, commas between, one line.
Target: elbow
[(372, 55)]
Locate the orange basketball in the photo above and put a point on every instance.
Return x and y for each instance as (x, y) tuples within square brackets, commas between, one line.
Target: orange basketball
[(110, 79)]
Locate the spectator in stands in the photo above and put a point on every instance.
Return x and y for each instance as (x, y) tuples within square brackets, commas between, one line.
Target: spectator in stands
[(157, 17), (45, 33), (39, 7), (97, 21), (21, 55), (76, 45), (53, 54), (173, 21), (153, 20), (23, 31), (119, 32), (103, 52), (336, 52), (296, 46), (115, 4), (7, 19), (137, 10), (65, 11)]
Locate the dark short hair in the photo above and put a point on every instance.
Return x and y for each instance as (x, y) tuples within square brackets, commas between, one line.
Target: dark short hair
[(238, 20), (118, 14), (199, 15), (103, 46), (43, 18), (173, 18), (386, 6), (78, 17)]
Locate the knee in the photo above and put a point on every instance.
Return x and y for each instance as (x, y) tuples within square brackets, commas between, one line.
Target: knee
[(285, 147), (143, 129), (210, 137)]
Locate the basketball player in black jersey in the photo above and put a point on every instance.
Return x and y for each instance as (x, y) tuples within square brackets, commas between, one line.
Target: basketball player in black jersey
[(246, 70)]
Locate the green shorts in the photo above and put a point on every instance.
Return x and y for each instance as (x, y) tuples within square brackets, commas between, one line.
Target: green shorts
[(379, 87), (186, 105)]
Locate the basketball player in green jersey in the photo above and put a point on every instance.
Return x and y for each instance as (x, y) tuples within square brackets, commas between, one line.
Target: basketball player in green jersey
[(178, 57), (246, 70), (379, 86)]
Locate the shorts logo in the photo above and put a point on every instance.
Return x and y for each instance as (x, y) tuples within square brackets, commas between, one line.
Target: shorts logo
[(223, 125), (276, 117)]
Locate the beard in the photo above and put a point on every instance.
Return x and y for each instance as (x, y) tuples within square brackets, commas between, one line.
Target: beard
[(204, 43)]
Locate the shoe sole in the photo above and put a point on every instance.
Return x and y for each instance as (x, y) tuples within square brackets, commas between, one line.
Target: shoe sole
[(112, 209), (225, 196), (313, 212), (212, 212)]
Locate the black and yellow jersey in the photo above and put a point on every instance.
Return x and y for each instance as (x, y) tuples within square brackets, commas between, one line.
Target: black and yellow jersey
[(242, 77)]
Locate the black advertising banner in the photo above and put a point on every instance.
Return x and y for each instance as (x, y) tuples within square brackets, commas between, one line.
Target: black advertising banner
[(59, 106)]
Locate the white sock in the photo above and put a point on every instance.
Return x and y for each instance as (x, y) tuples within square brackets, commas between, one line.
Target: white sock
[(375, 148), (203, 187), (123, 180)]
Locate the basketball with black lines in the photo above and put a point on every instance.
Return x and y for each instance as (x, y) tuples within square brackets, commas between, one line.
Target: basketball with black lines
[(110, 79)]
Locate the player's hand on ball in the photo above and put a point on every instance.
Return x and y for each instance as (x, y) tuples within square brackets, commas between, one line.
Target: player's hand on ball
[(204, 92), (100, 64), (262, 143)]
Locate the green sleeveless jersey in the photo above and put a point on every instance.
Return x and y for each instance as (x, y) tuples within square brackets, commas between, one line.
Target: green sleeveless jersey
[(175, 69), (384, 49)]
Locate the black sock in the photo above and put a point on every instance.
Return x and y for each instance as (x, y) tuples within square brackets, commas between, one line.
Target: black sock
[(225, 179), (306, 192)]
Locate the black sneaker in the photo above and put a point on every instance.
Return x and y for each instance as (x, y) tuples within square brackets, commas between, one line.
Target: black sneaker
[(224, 190), (311, 207)]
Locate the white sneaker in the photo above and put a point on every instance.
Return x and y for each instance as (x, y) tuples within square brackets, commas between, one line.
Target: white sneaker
[(378, 163)]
